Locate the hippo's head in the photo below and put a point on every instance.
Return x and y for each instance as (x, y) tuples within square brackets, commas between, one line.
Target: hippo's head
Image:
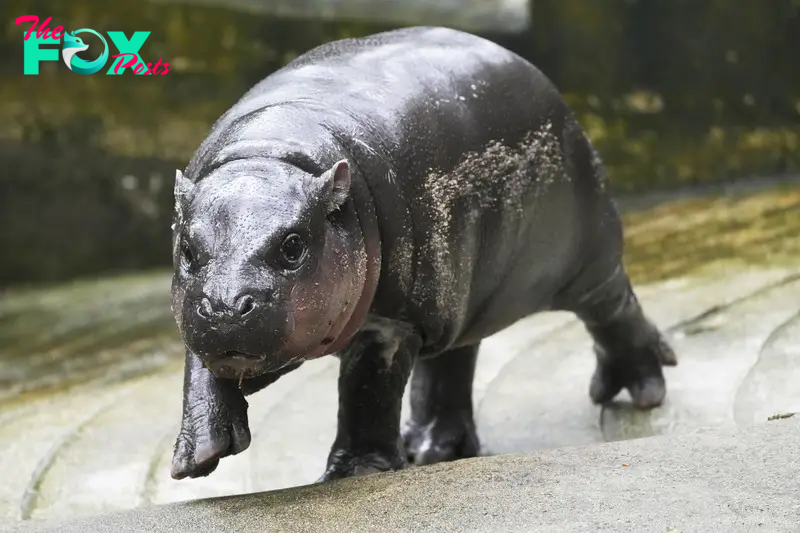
[(269, 265)]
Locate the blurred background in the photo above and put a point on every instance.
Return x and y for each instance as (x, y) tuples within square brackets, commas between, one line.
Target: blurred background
[(673, 92)]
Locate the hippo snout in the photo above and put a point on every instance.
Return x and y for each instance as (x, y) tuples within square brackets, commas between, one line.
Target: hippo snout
[(217, 311), (235, 333)]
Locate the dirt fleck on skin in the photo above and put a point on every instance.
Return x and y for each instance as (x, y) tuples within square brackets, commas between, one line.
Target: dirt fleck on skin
[(400, 262), (500, 177), (597, 164)]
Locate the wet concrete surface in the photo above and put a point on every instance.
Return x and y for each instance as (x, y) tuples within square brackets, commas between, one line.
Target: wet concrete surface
[(712, 481), (90, 373)]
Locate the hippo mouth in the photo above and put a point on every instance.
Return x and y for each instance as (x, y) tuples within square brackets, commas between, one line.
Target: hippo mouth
[(237, 365), (240, 355)]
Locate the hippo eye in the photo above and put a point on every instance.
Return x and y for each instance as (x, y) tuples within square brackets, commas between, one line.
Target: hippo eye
[(293, 250)]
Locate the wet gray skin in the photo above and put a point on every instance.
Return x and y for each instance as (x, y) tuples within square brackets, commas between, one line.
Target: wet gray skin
[(394, 200)]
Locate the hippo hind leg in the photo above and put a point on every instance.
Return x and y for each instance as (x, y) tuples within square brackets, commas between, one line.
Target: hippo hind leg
[(630, 349), (441, 427)]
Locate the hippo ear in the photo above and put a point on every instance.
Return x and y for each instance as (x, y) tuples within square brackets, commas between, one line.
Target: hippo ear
[(336, 185), (182, 186)]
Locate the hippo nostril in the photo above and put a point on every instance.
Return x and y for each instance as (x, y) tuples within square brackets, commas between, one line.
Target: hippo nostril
[(204, 309), (245, 304)]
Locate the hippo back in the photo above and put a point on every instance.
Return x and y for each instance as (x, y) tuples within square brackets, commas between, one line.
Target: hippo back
[(477, 169)]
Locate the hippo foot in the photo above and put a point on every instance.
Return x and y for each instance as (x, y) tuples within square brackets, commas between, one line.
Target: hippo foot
[(209, 433), (444, 439), (637, 370), (343, 464)]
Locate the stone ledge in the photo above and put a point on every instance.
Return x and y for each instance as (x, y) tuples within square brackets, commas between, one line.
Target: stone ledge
[(708, 481)]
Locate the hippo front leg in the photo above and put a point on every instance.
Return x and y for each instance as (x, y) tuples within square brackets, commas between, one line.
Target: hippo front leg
[(374, 370), (214, 423)]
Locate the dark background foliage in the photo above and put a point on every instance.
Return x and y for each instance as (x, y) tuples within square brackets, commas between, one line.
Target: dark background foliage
[(672, 92)]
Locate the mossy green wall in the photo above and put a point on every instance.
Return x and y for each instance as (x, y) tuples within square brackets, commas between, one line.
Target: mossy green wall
[(671, 91)]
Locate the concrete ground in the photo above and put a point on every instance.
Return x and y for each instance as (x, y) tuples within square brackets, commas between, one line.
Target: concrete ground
[(90, 391), (717, 481)]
